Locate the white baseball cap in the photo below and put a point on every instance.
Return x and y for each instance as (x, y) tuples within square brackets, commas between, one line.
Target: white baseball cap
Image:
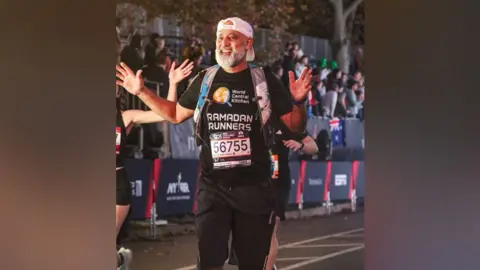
[(237, 24)]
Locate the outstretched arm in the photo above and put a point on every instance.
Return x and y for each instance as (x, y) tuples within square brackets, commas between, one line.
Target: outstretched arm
[(167, 110)]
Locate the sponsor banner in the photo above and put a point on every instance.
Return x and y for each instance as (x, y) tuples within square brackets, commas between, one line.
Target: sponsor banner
[(294, 176), (182, 141), (360, 183), (314, 183), (177, 187), (139, 173), (340, 181)]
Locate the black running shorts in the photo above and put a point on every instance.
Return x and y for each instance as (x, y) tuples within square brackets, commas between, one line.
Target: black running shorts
[(219, 216), (124, 190)]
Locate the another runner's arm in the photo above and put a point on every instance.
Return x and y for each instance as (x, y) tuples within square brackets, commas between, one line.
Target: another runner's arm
[(145, 117), (293, 116), (310, 147), (300, 141)]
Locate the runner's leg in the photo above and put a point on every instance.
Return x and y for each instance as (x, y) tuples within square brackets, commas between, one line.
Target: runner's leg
[(213, 220), (124, 195), (272, 255)]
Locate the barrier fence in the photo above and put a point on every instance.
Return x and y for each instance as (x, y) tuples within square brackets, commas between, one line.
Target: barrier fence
[(168, 187)]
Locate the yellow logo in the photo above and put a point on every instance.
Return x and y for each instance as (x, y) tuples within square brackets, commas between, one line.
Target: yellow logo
[(222, 96)]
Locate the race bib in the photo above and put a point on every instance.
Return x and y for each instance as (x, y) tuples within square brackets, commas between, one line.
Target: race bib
[(230, 149), (118, 139)]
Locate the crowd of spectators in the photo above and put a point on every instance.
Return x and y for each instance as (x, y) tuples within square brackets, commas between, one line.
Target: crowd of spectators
[(334, 92)]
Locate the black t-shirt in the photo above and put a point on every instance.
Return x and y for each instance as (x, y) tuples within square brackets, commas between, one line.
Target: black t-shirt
[(284, 134), (239, 114)]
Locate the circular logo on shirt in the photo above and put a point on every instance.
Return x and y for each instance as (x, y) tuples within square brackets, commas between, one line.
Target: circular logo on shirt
[(221, 96)]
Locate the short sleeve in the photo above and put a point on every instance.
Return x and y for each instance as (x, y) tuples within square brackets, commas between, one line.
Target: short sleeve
[(280, 98), (189, 98)]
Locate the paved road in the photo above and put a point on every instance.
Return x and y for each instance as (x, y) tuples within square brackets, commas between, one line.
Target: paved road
[(327, 243)]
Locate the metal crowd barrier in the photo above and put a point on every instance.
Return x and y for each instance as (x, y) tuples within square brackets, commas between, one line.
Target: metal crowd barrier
[(164, 188)]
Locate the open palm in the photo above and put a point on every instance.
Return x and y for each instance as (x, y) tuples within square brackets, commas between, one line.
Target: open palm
[(132, 82), (176, 75), (299, 88)]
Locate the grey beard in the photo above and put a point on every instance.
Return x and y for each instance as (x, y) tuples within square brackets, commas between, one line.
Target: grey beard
[(233, 60)]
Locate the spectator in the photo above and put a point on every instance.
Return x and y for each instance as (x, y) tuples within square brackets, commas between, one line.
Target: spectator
[(277, 70), (341, 108), (155, 46), (194, 46), (315, 95), (288, 47), (300, 64), (196, 58), (158, 73), (131, 54), (352, 101), (329, 102), (324, 70), (298, 51), (344, 78)]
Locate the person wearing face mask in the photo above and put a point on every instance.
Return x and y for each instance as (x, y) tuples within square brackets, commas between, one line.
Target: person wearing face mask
[(125, 120), (235, 107)]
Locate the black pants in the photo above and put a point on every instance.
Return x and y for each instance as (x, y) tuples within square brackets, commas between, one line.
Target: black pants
[(246, 213)]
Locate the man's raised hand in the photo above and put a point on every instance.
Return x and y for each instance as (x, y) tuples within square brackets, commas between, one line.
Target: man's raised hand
[(133, 83)]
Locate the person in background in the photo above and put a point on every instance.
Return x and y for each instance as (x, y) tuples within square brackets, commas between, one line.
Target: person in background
[(324, 70), (329, 102), (132, 53), (353, 104), (153, 48), (277, 71), (157, 72), (300, 65)]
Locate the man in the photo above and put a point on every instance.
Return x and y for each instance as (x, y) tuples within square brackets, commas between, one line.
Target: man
[(234, 106)]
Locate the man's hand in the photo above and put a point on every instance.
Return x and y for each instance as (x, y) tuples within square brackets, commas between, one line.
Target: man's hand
[(300, 88), (292, 144), (177, 75), (133, 83)]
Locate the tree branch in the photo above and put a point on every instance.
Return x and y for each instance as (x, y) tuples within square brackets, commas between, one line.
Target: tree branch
[(353, 6)]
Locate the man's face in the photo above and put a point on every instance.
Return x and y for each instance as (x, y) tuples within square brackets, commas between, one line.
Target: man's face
[(231, 48)]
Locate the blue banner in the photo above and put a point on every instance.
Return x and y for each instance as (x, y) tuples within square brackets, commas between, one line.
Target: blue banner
[(360, 186), (314, 183), (139, 173), (177, 187), (340, 181), (294, 172)]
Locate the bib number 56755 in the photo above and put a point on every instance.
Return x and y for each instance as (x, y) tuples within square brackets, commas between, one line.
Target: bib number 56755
[(230, 146)]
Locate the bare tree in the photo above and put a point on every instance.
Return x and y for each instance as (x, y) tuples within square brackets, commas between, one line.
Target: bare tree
[(343, 16)]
